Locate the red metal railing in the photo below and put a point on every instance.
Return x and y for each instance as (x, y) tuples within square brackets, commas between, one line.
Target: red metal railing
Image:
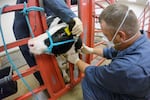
[(99, 5), (144, 19)]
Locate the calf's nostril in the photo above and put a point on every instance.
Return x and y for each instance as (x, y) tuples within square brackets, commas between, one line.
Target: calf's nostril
[(31, 45)]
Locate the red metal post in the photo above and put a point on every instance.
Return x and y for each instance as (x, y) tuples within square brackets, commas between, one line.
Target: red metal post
[(143, 21), (47, 64), (148, 31), (86, 13), (112, 1)]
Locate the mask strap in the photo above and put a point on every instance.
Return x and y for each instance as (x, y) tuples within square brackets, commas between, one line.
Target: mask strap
[(120, 25), (130, 38)]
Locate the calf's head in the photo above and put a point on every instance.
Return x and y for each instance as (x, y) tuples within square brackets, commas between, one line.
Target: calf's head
[(57, 40)]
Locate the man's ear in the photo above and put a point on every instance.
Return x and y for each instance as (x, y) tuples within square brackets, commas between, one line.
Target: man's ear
[(122, 36)]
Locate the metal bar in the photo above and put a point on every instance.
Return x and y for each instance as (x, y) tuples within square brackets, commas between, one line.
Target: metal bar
[(111, 1), (29, 94), (100, 62), (25, 73), (148, 33), (99, 43), (15, 44), (99, 4), (13, 8), (87, 10)]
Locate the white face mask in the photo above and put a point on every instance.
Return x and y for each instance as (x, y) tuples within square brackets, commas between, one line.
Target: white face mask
[(111, 43)]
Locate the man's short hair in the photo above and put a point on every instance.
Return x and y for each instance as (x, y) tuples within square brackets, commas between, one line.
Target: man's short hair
[(113, 16)]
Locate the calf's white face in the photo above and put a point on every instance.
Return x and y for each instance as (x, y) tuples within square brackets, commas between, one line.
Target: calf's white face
[(36, 45)]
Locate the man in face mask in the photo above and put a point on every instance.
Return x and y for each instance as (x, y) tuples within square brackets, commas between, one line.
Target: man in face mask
[(127, 77)]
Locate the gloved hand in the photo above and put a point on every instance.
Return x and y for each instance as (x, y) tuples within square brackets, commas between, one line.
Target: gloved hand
[(76, 26), (73, 58), (86, 50)]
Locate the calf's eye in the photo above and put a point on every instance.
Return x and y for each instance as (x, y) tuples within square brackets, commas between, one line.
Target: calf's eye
[(31, 45)]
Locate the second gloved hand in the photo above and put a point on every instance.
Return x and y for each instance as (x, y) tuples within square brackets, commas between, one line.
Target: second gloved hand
[(86, 50), (73, 58), (76, 26)]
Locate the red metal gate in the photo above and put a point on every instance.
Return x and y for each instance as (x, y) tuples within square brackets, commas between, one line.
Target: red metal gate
[(144, 19)]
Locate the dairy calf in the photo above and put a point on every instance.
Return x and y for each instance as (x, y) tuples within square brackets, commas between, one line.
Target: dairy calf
[(58, 41)]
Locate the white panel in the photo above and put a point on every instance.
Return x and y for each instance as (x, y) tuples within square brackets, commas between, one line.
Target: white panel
[(7, 24)]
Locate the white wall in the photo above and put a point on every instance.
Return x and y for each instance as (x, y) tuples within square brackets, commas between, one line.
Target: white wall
[(137, 8), (7, 22)]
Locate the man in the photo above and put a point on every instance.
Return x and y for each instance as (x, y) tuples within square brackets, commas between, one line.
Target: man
[(127, 77), (52, 7)]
